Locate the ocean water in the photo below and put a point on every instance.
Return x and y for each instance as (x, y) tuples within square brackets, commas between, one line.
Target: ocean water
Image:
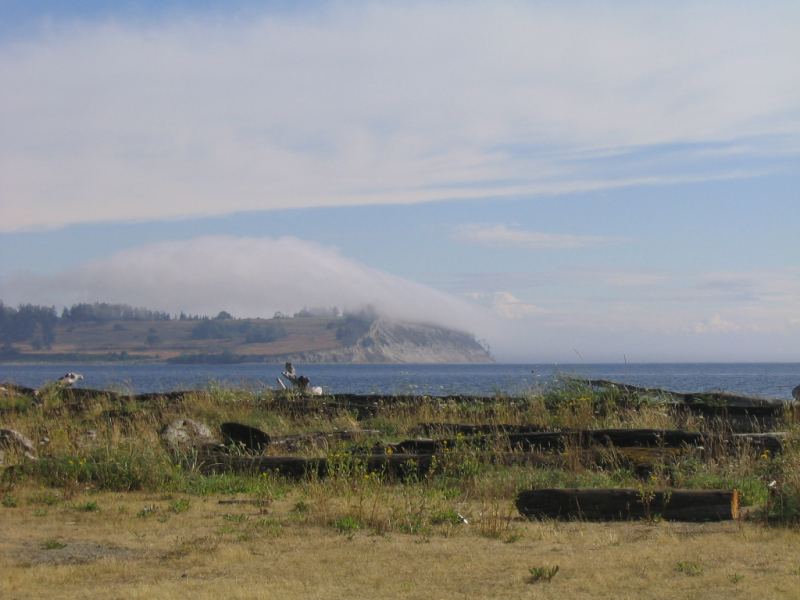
[(768, 380)]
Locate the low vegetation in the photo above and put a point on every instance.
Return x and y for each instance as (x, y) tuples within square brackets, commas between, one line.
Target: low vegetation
[(104, 462)]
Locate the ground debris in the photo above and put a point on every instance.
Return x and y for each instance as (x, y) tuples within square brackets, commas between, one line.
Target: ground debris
[(66, 552)]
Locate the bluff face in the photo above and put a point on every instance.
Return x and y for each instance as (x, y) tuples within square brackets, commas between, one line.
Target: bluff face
[(400, 342), (342, 339)]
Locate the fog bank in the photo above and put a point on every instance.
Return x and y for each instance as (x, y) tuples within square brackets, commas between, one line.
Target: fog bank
[(248, 277)]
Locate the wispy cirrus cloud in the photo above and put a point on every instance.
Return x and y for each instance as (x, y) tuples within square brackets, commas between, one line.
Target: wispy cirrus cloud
[(505, 304), (503, 235), (718, 324), (198, 114)]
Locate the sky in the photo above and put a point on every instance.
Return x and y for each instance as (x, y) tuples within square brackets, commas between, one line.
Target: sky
[(572, 181)]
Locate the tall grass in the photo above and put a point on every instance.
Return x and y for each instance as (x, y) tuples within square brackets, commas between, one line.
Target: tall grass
[(107, 445)]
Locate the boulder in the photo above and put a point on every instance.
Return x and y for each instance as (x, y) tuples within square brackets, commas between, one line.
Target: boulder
[(182, 434), (14, 442)]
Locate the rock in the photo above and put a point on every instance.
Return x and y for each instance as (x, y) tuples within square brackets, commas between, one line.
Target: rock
[(186, 433), (14, 441)]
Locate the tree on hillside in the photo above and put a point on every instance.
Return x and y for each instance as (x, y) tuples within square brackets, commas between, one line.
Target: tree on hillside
[(103, 311), (28, 323)]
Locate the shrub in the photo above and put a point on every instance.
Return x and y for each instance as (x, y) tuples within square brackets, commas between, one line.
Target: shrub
[(88, 507), (447, 516), (688, 567), (542, 574), (127, 467), (347, 525)]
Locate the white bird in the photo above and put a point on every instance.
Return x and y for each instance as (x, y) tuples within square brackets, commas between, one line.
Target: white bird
[(69, 379)]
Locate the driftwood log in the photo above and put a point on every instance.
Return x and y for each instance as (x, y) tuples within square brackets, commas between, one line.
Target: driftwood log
[(470, 429), (771, 442), (558, 440), (737, 412), (250, 438), (621, 504), (394, 465), (617, 438), (640, 460), (321, 438), (743, 412)]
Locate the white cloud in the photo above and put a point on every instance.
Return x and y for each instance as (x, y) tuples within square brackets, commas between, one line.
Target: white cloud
[(716, 324), (376, 103), (651, 304), (505, 304), (502, 235), (247, 277)]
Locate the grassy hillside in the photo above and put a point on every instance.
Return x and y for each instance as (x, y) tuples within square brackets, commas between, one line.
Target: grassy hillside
[(315, 338), (169, 339)]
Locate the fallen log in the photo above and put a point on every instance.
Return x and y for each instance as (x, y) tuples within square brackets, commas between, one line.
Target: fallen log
[(250, 438), (304, 406), (743, 412), (429, 429), (296, 467), (712, 398), (641, 461), (622, 504), (621, 438), (770, 442), (558, 440), (609, 438), (296, 441)]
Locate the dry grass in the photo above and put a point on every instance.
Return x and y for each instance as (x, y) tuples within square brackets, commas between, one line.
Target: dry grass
[(210, 550), (107, 508)]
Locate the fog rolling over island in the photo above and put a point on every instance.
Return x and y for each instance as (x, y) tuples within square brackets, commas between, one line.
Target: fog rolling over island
[(119, 332)]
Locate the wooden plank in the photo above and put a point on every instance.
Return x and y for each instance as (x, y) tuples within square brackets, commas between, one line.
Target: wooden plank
[(429, 429), (771, 442), (250, 438), (296, 467), (290, 443), (620, 504), (558, 440)]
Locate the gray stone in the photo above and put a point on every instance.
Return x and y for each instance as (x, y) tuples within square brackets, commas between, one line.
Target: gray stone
[(12, 441), (186, 433)]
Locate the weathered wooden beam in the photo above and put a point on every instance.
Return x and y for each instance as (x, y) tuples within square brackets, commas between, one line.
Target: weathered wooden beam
[(585, 438), (726, 398), (621, 504), (429, 429), (294, 441), (395, 465), (771, 442), (558, 440), (250, 438)]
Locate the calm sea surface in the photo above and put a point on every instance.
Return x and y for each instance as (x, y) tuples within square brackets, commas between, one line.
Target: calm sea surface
[(770, 380)]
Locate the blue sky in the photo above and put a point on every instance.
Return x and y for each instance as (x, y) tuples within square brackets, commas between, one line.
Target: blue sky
[(616, 182)]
